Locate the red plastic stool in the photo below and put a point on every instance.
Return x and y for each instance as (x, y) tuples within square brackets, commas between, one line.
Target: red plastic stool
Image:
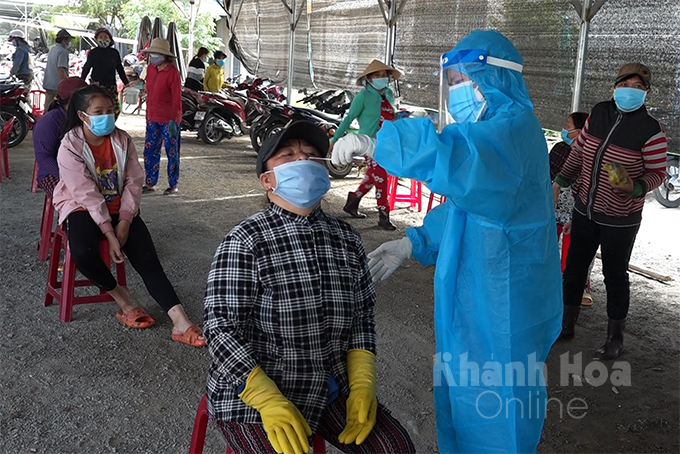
[(67, 298), (4, 148), (34, 183), (201, 424), (442, 199), (414, 197), (37, 99), (46, 234), (566, 240)]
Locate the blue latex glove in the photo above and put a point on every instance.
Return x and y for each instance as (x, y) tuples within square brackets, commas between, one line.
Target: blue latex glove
[(172, 128)]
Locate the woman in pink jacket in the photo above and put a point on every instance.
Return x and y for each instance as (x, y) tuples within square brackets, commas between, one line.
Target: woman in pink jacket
[(99, 194)]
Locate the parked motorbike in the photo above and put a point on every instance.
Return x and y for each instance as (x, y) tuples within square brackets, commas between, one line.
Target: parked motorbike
[(668, 194), (220, 118), (14, 103), (193, 112)]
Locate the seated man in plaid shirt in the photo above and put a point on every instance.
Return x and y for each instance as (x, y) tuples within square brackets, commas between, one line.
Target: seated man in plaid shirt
[(289, 318)]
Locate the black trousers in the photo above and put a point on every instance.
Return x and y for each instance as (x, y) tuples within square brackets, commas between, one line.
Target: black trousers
[(616, 244), (83, 238)]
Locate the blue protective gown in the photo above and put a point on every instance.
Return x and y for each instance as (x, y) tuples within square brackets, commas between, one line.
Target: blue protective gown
[(498, 295)]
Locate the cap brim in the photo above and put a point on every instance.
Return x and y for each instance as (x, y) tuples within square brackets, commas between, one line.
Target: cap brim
[(303, 130), (628, 76)]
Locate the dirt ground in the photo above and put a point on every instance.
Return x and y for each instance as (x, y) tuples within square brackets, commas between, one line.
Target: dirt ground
[(93, 385)]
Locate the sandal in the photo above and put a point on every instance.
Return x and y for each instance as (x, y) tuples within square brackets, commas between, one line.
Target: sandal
[(192, 336), (147, 189), (586, 299), (136, 318)]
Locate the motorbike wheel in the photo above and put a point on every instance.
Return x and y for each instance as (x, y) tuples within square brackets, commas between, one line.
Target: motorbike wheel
[(274, 128), (20, 127), (256, 137), (338, 172), (208, 131), (668, 194)]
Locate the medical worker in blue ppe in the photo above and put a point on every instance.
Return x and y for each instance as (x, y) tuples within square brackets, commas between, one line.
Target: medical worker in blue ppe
[(498, 299)]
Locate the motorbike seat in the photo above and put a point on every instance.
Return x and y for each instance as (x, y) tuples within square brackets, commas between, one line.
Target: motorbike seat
[(6, 88), (322, 115)]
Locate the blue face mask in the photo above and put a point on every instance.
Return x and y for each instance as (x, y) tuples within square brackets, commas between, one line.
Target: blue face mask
[(466, 103), (380, 83), (565, 136), (220, 62), (301, 183), (629, 99), (101, 125)]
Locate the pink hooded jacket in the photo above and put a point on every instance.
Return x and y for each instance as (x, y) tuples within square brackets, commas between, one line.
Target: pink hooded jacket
[(78, 185)]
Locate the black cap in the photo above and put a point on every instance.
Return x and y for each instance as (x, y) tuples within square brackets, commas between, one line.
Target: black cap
[(304, 130), (219, 54)]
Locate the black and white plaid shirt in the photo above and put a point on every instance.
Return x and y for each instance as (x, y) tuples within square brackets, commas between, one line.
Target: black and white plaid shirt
[(292, 294)]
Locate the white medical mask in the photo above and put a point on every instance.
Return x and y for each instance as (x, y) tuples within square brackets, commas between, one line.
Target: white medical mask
[(301, 183), (156, 59)]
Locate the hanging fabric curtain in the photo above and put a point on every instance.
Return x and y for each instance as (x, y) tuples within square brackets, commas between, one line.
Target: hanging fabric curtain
[(157, 29), (143, 34), (176, 48)]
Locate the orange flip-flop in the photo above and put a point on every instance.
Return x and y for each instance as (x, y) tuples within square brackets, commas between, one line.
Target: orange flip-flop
[(192, 336), (136, 318)]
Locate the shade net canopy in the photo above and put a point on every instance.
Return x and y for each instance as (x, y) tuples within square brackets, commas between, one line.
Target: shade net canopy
[(336, 40)]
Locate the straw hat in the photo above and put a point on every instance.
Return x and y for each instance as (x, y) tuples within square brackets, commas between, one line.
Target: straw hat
[(374, 67), (160, 46)]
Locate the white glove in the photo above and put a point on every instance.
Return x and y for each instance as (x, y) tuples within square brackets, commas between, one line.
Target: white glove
[(388, 257), (351, 145)]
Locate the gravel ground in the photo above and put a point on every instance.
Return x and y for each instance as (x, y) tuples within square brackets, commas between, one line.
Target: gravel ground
[(93, 385)]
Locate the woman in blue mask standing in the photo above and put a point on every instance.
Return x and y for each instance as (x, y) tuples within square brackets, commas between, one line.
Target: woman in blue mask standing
[(370, 107), (163, 115), (98, 195), (565, 203), (608, 207), (289, 318), (214, 74)]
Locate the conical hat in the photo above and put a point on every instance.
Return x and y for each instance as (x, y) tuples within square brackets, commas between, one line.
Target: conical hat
[(374, 67)]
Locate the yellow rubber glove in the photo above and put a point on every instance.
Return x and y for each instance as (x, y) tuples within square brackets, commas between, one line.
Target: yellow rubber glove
[(286, 428), (362, 404)]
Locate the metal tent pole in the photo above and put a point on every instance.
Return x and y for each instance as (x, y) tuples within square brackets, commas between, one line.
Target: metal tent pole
[(291, 52), (192, 18), (587, 11), (581, 57), (391, 32)]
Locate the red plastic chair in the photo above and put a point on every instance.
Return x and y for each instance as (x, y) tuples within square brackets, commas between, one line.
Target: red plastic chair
[(414, 197), (46, 234), (38, 102), (201, 424), (66, 297), (4, 148), (442, 199)]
